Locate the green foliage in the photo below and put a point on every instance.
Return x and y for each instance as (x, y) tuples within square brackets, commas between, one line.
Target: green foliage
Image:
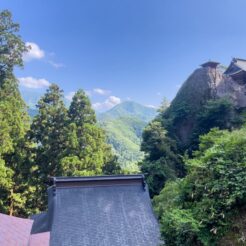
[(111, 164), (124, 135), (11, 45), (186, 227), (14, 123), (123, 126), (87, 152), (80, 110), (161, 162), (68, 142), (199, 210), (15, 187), (48, 132), (215, 113)]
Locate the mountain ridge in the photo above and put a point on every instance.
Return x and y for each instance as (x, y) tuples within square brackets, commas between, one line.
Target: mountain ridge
[(129, 108), (124, 125)]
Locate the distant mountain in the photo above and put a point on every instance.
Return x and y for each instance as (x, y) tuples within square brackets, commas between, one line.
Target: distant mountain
[(124, 125), (129, 109)]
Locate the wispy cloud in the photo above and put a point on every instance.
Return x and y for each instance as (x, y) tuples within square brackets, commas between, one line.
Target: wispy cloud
[(34, 52), (56, 65), (70, 95), (107, 104), (151, 106), (33, 83), (101, 91), (88, 93)]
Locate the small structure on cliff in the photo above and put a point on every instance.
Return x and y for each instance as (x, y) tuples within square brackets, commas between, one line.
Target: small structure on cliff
[(237, 70), (210, 64)]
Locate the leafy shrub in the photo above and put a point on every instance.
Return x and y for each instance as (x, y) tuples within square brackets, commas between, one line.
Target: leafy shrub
[(197, 209), (161, 162)]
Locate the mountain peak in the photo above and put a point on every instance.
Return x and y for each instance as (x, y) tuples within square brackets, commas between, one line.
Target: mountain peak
[(130, 109)]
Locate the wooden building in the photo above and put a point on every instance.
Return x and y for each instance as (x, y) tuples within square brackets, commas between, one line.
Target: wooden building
[(210, 64), (237, 70)]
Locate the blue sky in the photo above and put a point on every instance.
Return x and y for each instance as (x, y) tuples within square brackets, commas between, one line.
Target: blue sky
[(118, 50)]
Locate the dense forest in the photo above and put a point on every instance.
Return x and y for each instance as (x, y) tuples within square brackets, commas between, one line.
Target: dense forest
[(194, 151)]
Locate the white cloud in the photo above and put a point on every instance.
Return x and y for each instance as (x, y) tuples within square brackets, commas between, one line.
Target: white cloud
[(158, 94), (101, 91), (70, 95), (34, 83), (151, 106), (88, 93), (56, 65), (108, 103), (35, 52)]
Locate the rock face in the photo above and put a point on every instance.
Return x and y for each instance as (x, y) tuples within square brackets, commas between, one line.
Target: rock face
[(203, 84), (227, 87)]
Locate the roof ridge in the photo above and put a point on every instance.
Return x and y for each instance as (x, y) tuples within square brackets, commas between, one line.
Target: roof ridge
[(98, 180), (241, 59), (94, 178)]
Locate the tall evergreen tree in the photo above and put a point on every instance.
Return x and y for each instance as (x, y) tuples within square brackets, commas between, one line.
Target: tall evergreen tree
[(87, 152), (48, 131), (161, 162), (11, 44), (80, 111), (14, 123)]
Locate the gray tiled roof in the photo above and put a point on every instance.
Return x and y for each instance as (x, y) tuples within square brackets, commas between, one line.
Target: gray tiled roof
[(40, 223), (99, 211), (103, 216), (237, 65), (14, 231)]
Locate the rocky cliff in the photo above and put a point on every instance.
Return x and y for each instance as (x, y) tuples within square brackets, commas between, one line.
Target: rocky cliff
[(204, 84)]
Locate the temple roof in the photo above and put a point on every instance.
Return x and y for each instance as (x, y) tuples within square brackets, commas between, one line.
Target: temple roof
[(236, 66), (99, 210)]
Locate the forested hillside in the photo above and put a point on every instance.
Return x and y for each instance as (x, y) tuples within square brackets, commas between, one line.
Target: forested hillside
[(123, 126), (195, 161)]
